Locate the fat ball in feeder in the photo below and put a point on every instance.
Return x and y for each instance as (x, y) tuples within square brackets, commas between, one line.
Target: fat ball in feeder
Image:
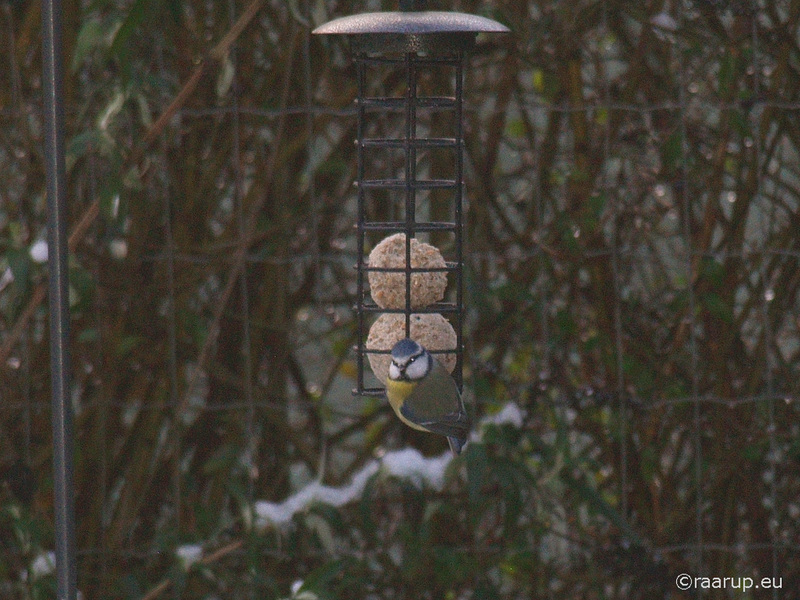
[(388, 289), (431, 330)]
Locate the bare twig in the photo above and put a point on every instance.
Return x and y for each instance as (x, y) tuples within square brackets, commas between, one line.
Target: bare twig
[(165, 584)]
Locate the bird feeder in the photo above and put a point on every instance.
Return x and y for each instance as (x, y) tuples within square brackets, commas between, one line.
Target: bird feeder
[(409, 182)]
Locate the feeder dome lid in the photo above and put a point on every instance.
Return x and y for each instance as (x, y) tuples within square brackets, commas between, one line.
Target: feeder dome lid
[(410, 23), (410, 31)]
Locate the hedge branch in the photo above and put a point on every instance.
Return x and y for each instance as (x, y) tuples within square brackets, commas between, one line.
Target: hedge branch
[(212, 59)]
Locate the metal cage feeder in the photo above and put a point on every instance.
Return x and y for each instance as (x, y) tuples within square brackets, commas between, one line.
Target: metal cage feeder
[(411, 48)]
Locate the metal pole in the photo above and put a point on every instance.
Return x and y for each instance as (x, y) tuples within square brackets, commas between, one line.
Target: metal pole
[(52, 73)]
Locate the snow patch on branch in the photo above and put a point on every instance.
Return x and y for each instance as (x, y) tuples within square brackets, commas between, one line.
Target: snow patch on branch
[(281, 513), (407, 463)]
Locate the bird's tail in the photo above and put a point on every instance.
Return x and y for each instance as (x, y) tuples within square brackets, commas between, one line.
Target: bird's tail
[(456, 444)]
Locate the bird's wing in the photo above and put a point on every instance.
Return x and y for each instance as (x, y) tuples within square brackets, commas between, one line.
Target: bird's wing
[(436, 405)]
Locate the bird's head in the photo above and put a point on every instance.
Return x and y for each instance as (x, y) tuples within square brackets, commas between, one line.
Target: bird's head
[(410, 361)]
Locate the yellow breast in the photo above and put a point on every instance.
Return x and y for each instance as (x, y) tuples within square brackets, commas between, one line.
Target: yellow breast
[(397, 392)]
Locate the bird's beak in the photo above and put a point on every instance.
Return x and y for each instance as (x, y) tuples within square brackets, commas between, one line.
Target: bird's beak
[(401, 371)]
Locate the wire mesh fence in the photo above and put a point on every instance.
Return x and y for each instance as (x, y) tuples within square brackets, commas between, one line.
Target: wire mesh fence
[(631, 284)]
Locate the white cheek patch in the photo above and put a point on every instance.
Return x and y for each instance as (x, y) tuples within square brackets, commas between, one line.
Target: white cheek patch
[(394, 372), (417, 369)]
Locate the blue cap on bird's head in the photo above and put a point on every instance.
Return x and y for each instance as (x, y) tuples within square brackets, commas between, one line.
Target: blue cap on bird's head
[(406, 347)]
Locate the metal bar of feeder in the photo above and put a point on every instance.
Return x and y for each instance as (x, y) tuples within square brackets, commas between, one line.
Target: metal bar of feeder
[(450, 266), (458, 200), (374, 392), (419, 143), (60, 364), (420, 60), (360, 68), (389, 226), (443, 102), (409, 186), (439, 307), (410, 182), (445, 351)]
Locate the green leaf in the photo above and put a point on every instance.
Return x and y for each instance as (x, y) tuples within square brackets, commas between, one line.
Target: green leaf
[(718, 307), (91, 35), (297, 13), (331, 514), (538, 81), (648, 463), (595, 501), (135, 17), (225, 77), (110, 196), (83, 144), (44, 588), (323, 531), (128, 343), (512, 495), (19, 260), (520, 564), (515, 128), (452, 567), (88, 335), (727, 72), (713, 271), (672, 152), (83, 280), (320, 579), (221, 460), (565, 323), (753, 452), (477, 463), (366, 507)]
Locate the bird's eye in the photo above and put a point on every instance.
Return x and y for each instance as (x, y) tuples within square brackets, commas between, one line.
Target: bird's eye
[(412, 359)]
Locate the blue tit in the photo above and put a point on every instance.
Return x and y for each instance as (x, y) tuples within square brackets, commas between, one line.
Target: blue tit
[(424, 395)]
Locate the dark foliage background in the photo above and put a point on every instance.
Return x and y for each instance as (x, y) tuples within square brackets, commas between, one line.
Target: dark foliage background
[(633, 185)]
